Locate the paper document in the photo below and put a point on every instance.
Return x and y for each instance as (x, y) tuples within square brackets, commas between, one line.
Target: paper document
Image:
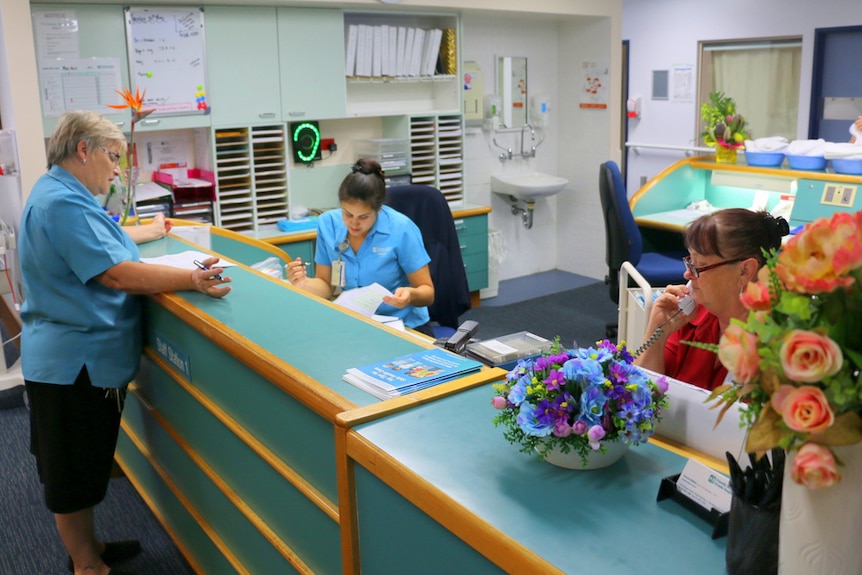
[(185, 260), (150, 190), (390, 320), (199, 235), (363, 300)]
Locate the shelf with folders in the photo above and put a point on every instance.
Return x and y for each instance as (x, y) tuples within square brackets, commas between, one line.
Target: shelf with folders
[(437, 154), (401, 63), (251, 176)]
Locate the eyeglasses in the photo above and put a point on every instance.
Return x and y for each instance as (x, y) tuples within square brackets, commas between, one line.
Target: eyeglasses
[(697, 270), (115, 157)]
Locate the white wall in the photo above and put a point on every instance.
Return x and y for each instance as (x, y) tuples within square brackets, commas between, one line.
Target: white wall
[(485, 38), (664, 33), (568, 231)]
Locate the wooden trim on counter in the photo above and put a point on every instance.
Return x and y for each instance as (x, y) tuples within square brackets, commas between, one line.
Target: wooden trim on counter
[(497, 547)]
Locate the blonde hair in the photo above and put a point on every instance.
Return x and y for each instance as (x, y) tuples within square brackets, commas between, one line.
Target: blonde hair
[(82, 126)]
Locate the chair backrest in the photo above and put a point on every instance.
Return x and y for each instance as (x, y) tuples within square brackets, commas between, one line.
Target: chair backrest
[(622, 237), (430, 211)]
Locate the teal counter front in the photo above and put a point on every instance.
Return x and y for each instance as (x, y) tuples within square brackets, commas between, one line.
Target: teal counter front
[(229, 430), (437, 489)]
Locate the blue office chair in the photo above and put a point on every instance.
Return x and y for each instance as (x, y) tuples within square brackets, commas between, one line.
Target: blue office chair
[(430, 211), (623, 240)]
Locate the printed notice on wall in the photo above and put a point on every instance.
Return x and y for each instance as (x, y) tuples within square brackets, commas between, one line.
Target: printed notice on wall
[(56, 33), (594, 85), (78, 84), (682, 80)]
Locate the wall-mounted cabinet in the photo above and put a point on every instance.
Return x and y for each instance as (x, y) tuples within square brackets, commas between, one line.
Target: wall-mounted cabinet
[(243, 65), (401, 88), (311, 63)]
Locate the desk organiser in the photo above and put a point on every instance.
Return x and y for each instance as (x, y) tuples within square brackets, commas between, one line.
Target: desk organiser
[(718, 520)]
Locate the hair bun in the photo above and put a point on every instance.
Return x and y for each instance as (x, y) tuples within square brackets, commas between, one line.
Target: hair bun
[(776, 228), (367, 167)]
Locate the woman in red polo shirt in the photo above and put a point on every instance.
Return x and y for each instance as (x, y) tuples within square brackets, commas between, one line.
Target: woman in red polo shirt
[(725, 253)]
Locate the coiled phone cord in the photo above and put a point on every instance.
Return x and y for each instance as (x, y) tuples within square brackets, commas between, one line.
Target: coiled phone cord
[(655, 335)]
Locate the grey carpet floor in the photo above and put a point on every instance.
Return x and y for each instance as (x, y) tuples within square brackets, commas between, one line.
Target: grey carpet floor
[(29, 544), (576, 315)]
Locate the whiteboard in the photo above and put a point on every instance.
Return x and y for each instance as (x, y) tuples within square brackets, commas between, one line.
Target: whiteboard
[(167, 58)]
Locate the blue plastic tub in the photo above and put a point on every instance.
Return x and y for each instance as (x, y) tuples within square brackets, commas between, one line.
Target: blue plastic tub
[(852, 166), (765, 159), (806, 162)]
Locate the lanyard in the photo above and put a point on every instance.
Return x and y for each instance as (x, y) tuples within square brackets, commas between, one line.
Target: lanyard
[(339, 279)]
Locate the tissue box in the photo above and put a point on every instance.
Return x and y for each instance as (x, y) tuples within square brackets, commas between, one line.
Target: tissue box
[(764, 158), (806, 162), (851, 166)]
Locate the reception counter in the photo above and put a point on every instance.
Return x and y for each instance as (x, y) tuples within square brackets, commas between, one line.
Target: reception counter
[(229, 430), (437, 489), (661, 204), (257, 458)]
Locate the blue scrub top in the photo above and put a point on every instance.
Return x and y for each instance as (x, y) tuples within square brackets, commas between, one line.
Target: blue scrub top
[(393, 249), (69, 319)]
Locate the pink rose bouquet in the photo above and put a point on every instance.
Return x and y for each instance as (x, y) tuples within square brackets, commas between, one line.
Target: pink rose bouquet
[(796, 360)]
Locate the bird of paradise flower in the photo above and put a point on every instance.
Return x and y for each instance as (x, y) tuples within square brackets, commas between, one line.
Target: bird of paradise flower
[(135, 103)]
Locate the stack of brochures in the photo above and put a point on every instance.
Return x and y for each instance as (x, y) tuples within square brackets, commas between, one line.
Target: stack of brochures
[(409, 373)]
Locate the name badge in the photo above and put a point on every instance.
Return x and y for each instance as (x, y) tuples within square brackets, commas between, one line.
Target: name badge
[(338, 278)]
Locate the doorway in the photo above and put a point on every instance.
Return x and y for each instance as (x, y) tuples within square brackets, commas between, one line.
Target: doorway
[(836, 86)]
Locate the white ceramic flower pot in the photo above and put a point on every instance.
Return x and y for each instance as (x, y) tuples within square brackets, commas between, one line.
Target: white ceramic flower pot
[(820, 528), (596, 459)]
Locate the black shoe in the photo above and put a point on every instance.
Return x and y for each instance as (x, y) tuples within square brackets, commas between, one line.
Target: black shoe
[(116, 552)]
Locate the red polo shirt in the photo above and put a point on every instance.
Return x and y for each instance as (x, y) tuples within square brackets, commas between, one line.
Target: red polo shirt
[(693, 365)]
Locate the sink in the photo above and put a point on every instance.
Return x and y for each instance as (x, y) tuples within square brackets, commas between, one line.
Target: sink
[(529, 186)]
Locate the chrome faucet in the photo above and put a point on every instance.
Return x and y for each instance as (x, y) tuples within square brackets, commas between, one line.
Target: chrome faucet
[(506, 154), (532, 152)]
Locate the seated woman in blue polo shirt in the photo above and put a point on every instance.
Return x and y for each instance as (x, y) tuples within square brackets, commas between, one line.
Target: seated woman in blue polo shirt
[(365, 242)]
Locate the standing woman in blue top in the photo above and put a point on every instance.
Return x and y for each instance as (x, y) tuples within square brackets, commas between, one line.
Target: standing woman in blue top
[(366, 242), (82, 336)]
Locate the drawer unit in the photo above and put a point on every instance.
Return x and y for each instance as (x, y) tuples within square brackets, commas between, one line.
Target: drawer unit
[(473, 239)]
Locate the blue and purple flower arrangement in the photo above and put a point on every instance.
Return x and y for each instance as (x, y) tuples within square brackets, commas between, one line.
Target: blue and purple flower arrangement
[(579, 399)]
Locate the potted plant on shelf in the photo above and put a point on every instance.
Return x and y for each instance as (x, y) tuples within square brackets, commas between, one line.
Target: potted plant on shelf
[(725, 129)]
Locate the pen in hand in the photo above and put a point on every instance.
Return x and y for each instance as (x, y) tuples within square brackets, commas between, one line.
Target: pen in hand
[(203, 267)]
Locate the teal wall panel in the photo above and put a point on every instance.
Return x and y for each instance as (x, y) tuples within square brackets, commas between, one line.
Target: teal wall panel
[(297, 521), (268, 413), (194, 539), (248, 544), (397, 537)]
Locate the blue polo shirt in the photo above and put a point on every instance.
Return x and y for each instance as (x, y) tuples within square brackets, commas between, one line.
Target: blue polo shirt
[(392, 249), (69, 319)]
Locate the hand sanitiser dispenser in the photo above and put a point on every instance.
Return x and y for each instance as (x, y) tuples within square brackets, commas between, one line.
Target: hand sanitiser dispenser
[(541, 107)]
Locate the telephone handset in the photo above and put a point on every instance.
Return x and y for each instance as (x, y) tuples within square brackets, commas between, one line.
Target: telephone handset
[(686, 302), (686, 305)]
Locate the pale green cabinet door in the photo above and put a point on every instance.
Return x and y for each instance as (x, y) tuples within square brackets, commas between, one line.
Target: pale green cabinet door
[(311, 56), (101, 33), (242, 63)]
